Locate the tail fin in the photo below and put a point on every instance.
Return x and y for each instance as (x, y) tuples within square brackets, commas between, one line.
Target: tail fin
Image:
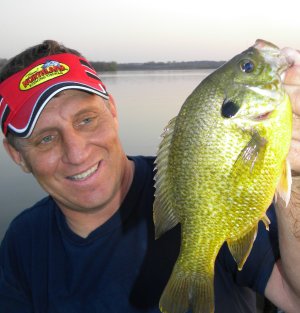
[(186, 291)]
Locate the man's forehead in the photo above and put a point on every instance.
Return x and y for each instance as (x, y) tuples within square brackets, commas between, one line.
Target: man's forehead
[(71, 102)]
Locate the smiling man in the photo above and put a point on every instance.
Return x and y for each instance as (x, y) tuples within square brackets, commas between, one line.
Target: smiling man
[(72, 148), (75, 154), (89, 246)]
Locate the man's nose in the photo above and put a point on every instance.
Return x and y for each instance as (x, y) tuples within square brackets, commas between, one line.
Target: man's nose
[(75, 148)]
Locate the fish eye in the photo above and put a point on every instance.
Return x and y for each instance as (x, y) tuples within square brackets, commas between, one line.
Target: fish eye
[(247, 66), (229, 108)]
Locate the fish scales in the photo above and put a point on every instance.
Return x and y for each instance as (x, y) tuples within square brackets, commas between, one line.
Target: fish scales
[(218, 167)]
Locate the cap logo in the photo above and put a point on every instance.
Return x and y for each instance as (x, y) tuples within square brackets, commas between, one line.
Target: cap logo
[(42, 73)]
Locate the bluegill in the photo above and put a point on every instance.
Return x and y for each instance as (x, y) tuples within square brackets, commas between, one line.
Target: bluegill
[(220, 162)]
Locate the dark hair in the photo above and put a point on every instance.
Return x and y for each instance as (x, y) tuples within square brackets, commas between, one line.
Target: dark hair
[(24, 59), (30, 55)]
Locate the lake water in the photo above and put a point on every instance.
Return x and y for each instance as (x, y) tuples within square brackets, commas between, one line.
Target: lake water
[(146, 101)]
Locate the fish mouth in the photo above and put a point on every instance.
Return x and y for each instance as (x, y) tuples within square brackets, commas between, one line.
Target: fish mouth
[(84, 175), (280, 57), (270, 91), (263, 116)]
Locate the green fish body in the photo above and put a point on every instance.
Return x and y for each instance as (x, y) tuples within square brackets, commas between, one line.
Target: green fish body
[(218, 167)]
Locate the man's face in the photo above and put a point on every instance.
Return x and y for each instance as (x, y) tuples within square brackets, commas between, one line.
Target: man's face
[(74, 151)]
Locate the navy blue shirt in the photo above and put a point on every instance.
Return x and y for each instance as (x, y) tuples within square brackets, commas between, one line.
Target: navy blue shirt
[(119, 267)]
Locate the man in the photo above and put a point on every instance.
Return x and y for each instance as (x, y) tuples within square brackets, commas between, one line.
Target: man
[(89, 246)]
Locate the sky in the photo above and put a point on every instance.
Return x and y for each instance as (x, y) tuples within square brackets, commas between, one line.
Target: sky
[(144, 31)]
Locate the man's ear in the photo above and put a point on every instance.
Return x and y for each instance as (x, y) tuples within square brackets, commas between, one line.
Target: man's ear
[(16, 156), (113, 110), (113, 107)]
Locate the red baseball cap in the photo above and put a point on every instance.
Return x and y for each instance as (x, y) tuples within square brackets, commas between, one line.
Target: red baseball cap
[(24, 95)]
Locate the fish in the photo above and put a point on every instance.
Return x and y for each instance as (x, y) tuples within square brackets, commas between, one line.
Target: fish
[(221, 162)]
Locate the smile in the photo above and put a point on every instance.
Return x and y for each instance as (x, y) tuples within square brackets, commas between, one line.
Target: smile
[(85, 174)]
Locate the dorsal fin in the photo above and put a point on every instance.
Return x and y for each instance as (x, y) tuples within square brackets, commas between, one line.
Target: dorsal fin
[(163, 213)]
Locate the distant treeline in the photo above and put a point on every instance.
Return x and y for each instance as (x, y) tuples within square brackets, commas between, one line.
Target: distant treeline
[(114, 66)]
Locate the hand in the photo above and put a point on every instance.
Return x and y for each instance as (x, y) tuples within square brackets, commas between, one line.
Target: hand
[(283, 287), (292, 86)]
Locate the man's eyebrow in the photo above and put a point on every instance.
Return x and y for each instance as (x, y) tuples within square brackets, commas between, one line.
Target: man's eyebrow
[(37, 133), (84, 110)]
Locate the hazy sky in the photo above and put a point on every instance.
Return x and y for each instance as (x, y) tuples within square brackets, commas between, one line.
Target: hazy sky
[(157, 30)]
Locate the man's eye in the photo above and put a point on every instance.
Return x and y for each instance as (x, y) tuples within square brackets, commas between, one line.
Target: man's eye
[(86, 120), (47, 139), (90, 121)]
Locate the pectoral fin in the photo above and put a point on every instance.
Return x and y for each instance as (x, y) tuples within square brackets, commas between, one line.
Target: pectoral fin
[(252, 154), (284, 186), (240, 248), (163, 208)]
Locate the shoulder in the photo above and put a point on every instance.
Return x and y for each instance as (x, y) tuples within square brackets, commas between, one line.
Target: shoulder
[(143, 162), (143, 181), (39, 209), (34, 218), (144, 168), (24, 249)]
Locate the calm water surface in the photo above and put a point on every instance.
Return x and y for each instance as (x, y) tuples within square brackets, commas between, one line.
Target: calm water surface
[(146, 101)]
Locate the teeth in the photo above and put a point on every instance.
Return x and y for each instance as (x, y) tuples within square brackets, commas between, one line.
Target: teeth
[(84, 175)]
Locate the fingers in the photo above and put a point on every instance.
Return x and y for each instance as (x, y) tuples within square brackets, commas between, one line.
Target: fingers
[(292, 55), (293, 156), (296, 127), (294, 94), (294, 152), (292, 75), (292, 86)]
